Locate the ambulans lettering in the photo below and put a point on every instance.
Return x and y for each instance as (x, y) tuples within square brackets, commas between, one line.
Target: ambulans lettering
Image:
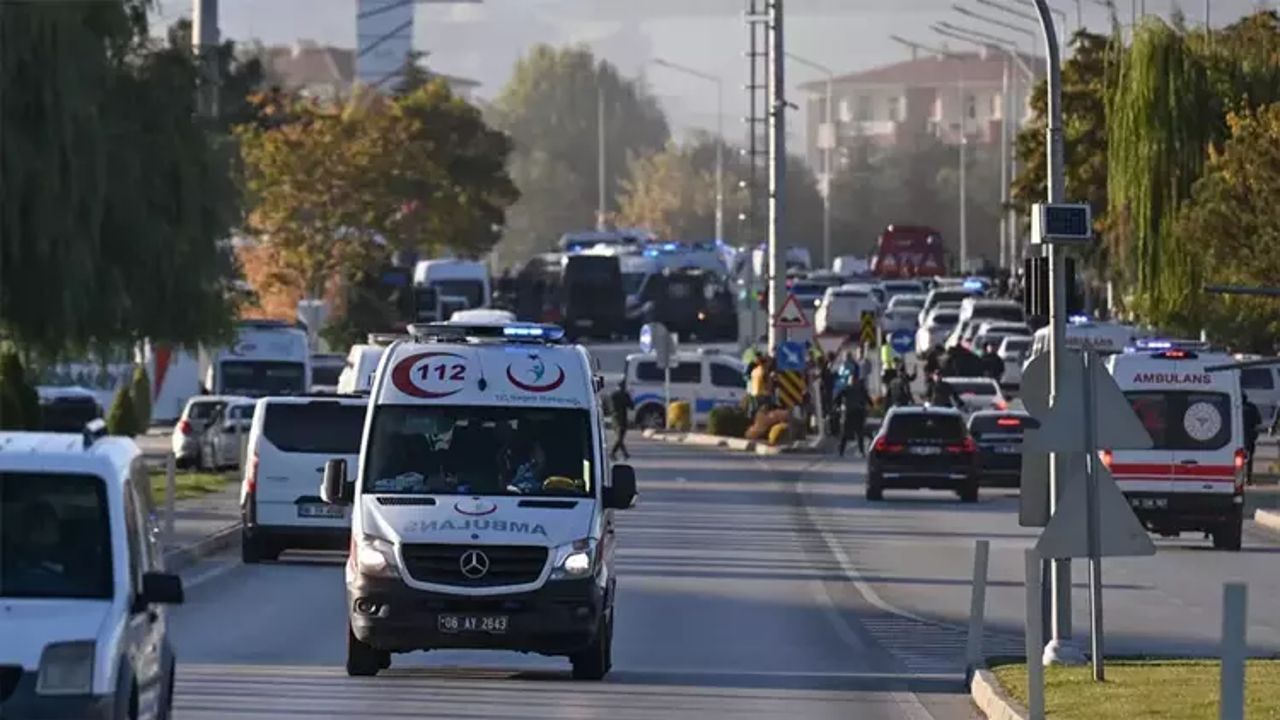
[(1172, 378), (476, 525)]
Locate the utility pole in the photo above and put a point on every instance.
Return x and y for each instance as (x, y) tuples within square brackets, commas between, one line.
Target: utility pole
[(1060, 649), (1006, 109), (204, 39), (964, 171), (601, 207), (777, 160), (757, 110)]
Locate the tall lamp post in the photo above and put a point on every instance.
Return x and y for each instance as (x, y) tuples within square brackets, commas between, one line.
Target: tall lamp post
[(827, 139), (719, 83), (964, 141)]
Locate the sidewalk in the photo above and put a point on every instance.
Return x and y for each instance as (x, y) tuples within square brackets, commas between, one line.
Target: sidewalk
[(202, 526)]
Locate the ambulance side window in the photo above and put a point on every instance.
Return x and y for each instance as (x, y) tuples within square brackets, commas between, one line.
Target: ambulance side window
[(1260, 378)]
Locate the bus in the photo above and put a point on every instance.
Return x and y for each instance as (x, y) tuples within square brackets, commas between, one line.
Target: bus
[(909, 251), (268, 357)]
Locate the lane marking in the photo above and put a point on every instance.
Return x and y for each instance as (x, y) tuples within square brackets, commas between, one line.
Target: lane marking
[(210, 574)]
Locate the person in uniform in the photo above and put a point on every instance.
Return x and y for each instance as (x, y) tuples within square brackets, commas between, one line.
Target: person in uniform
[(620, 404)]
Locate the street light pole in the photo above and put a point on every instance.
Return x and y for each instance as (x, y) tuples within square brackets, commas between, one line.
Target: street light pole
[(777, 161), (827, 164), (719, 83), (204, 38)]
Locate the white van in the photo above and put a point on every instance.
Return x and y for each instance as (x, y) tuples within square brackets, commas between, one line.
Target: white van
[(459, 284), (362, 362), (1193, 478), (83, 628), (290, 440), (704, 379), (482, 503), (1104, 338), (841, 308)]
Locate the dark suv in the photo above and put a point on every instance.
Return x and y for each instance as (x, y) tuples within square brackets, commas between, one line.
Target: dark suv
[(999, 438), (923, 448)]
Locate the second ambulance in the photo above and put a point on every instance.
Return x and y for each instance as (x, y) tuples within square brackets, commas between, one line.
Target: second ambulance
[(1192, 480), (483, 502)]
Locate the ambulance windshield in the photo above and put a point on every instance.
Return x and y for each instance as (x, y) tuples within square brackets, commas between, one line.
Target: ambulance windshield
[(476, 450)]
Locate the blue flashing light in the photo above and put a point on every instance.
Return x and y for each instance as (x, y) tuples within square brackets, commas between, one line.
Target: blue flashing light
[(974, 285), (650, 252), (533, 332), (670, 246), (1152, 344), (1079, 319)]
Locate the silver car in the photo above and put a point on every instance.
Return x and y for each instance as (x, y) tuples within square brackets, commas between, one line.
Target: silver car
[(227, 432), (189, 430)]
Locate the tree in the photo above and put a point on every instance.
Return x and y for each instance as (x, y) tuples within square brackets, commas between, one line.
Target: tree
[(1086, 76), (114, 198), (122, 418), (668, 193), (140, 390), (1232, 223), (19, 402), (550, 109)]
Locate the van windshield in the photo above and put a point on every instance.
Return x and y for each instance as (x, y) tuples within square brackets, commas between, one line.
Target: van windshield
[(256, 378), (55, 539), (1183, 420), (477, 450), (472, 290)]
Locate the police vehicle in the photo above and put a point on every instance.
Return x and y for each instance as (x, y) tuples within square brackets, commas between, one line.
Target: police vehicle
[(83, 629), (704, 379), (1192, 479), (482, 504)]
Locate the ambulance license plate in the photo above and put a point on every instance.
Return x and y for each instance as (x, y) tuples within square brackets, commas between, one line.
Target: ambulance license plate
[(1149, 503), (320, 510), (491, 624)]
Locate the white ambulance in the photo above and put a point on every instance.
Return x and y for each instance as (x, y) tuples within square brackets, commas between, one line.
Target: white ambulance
[(483, 501), (1192, 480)]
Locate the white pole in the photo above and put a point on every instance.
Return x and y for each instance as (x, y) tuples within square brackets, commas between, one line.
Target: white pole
[(1035, 671), (1005, 245), (1015, 114), (719, 159), (1234, 650), (601, 209), (826, 185), (964, 143), (777, 162), (974, 655)]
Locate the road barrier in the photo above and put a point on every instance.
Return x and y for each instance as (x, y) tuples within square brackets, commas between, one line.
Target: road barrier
[(1235, 618), (974, 655)]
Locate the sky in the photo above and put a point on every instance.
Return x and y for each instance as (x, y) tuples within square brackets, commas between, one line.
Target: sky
[(483, 41)]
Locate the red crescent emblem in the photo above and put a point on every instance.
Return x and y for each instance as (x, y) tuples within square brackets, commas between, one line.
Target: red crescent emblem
[(402, 376), (537, 388)]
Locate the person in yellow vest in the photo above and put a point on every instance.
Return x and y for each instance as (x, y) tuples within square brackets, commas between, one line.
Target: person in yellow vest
[(761, 386)]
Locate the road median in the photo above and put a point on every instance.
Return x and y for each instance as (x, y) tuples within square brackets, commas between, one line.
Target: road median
[(730, 443), (1269, 519)]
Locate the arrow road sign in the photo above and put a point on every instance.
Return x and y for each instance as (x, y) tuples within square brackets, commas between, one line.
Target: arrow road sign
[(791, 315), (902, 341), (1120, 533), (790, 356)]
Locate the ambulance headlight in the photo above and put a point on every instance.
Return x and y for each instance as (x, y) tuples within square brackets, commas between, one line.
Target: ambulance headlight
[(66, 668), (575, 560), (376, 557)]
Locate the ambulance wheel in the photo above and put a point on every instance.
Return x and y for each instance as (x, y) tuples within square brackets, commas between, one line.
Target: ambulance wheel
[(594, 661), (1228, 535), (650, 418), (364, 660)]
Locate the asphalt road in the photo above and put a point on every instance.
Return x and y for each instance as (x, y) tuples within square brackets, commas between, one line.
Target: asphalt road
[(731, 604)]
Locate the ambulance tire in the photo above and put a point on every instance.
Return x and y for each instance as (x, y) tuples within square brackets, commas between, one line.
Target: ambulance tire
[(594, 661), (1228, 536), (364, 660)]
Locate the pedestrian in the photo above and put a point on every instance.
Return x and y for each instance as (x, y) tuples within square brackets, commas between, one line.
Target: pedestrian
[(1252, 423), (620, 404), (854, 402), (864, 364), (943, 394), (826, 385), (898, 393), (992, 363), (761, 387)]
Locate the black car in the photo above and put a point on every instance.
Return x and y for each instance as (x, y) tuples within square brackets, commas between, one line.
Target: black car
[(592, 296), (923, 448), (999, 439)]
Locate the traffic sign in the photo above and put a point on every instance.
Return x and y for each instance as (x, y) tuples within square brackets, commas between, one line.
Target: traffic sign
[(1062, 427), (831, 343), (1120, 534), (868, 334), (901, 341), (790, 388), (791, 315), (790, 356)]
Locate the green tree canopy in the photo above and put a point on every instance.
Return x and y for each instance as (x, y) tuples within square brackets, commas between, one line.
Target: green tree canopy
[(550, 108)]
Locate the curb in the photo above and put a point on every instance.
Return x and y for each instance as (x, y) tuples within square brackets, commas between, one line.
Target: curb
[(705, 440), (1269, 519), (991, 699), (180, 559)]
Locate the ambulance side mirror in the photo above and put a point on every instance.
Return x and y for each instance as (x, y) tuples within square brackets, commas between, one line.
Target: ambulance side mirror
[(621, 493), (334, 488)]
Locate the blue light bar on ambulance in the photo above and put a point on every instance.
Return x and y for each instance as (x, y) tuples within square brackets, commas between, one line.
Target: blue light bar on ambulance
[(1079, 319), (510, 332), (974, 284), (533, 332)]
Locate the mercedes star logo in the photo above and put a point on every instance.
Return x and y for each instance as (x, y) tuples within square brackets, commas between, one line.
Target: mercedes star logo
[(474, 564)]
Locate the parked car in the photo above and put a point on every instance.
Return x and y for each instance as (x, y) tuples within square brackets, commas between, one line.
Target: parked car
[(185, 440), (225, 435), (998, 435), (704, 379), (923, 448)]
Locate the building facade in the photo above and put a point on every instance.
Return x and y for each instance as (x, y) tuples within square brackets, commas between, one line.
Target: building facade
[(323, 71)]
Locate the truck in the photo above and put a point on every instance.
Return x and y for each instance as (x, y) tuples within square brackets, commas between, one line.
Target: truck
[(909, 251), (268, 357)]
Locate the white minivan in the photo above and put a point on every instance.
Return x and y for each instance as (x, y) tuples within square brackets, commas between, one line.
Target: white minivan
[(289, 442), (482, 503), (83, 626)]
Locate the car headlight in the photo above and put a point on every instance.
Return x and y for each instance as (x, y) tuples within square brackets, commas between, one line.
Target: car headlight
[(575, 560), (66, 668), (376, 557)]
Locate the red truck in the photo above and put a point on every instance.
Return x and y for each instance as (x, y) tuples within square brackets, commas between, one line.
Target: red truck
[(907, 251)]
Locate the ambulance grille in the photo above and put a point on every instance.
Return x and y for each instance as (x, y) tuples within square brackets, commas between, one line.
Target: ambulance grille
[(442, 564)]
